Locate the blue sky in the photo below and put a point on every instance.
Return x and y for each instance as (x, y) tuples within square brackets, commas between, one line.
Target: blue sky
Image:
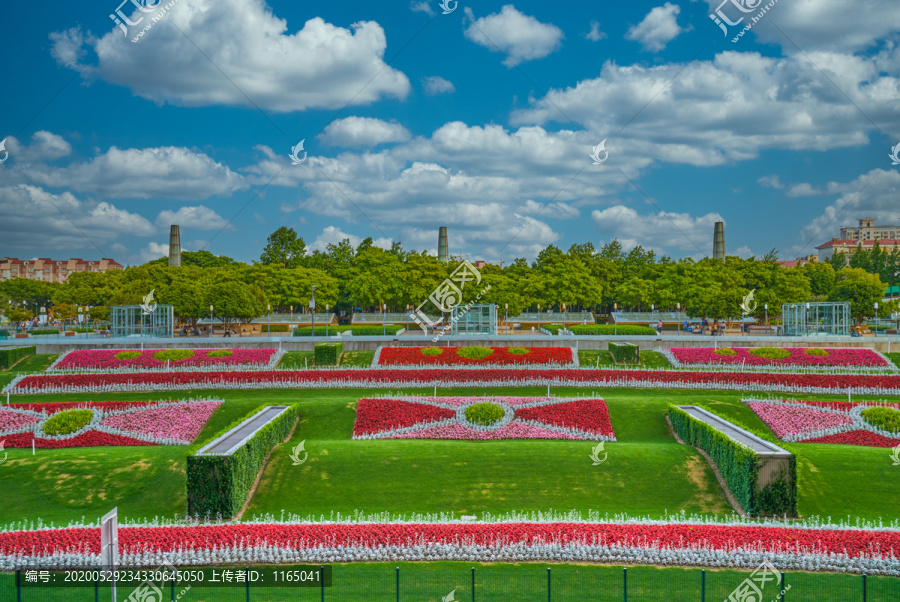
[(481, 120)]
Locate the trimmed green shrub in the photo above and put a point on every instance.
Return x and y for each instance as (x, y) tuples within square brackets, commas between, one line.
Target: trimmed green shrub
[(11, 355), (518, 350), (725, 351), (43, 331), (327, 354), (625, 353), (739, 467), (475, 352), (82, 330), (68, 421), (884, 418), (274, 328), (770, 353), (431, 351), (485, 413), (356, 330), (815, 351), (4, 333), (173, 355), (603, 329), (127, 355), (219, 485), (220, 353)]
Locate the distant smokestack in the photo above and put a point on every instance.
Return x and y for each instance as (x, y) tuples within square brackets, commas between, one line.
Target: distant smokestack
[(443, 251), (174, 247), (719, 241)]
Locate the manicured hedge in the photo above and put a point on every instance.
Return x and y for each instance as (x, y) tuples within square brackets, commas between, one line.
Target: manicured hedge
[(43, 331), (739, 466), (356, 330), (602, 329), (274, 328), (4, 333), (218, 486), (11, 355), (625, 353), (327, 354), (82, 330)]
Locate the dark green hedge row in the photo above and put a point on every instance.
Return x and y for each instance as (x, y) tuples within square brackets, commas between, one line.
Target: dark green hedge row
[(602, 329), (218, 486), (625, 353), (274, 328), (4, 333), (739, 466), (356, 330), (44, 331), (327, 354), (11, 355)]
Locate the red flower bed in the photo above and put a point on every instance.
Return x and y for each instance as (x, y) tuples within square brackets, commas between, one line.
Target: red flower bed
[(859, 437), (449, 356), (374, 415), (590, 415), (758, 381), (53, 407), (86, 439), (853, 542)]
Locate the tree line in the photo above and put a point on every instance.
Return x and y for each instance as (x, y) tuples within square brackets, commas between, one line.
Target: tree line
[(368, 277)]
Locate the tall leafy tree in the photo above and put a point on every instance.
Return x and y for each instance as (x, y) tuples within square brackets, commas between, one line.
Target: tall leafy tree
[(284, 248)]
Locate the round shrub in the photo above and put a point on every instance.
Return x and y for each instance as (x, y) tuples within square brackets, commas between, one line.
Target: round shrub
[(67, 421), (725, 351), (815, 351), (771, 353), (431, 351), (887, 419), (128, 355), (475, 352), (173, 355), (484, 413), (518, 350), (220, 353)]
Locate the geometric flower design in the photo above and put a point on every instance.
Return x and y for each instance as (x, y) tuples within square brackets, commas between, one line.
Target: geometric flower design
[(111, 423), (446, 418), (101, 360), (798, 359), (823, 422), (499, 357)]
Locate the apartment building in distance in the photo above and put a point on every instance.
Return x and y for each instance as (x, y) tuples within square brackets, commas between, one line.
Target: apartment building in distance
[(867, 230), (52, 270)]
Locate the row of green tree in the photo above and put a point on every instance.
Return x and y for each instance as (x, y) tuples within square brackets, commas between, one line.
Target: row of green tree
[(368, 277)]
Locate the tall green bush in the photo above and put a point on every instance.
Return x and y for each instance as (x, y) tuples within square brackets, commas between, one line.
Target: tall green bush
[(739, 467), (602, 329), (625, 353), (11, 355), (219, 485), (327, 354), (356, 330)]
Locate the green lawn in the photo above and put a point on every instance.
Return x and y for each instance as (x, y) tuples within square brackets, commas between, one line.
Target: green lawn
[(502, 582), (298, 360), (894, 357), (649, 359), (27, 365), (405, 476)]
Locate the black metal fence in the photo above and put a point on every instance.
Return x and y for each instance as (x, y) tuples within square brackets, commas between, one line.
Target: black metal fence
[(455, 582)]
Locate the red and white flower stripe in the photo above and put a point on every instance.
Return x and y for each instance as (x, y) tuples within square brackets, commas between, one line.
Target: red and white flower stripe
[(812, 547), (839, 361), (869, 384), (412, 358), (792, 420), (77, 361)]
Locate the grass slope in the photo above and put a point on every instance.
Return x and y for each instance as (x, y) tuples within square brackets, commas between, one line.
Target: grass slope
[(649, 359)]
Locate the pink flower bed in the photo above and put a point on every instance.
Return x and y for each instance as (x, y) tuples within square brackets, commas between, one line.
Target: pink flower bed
[(822, 422), (112, 423), (445, 418), (105, 359), (798, 358)]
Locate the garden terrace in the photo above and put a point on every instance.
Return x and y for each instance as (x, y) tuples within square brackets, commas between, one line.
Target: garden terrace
[(234, 438)]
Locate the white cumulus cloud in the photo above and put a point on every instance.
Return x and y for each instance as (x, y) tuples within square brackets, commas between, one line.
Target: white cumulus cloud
[(363, 132), (658, 28), (520, 37), (435, 84)]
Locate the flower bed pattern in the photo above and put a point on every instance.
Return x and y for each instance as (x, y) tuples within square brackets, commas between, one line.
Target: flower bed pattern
[(445, 418), (104, 360), (535, 357), (113, 423), (711, 544), (868, 384), (798, 360), (823, 422)]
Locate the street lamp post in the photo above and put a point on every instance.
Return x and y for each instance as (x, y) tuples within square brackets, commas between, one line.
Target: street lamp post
[(678, 318), (506, 316), (312, 308), (326, 319), (210, 321), (615, 323), (767, 316), (269, 320), (383, 318), (292, 314), (876, 318)]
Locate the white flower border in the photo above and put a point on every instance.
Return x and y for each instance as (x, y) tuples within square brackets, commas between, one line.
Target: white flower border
[(269, 365), (509, 416), (889, 367), (486, 366), (94, 425), (858, 423)]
